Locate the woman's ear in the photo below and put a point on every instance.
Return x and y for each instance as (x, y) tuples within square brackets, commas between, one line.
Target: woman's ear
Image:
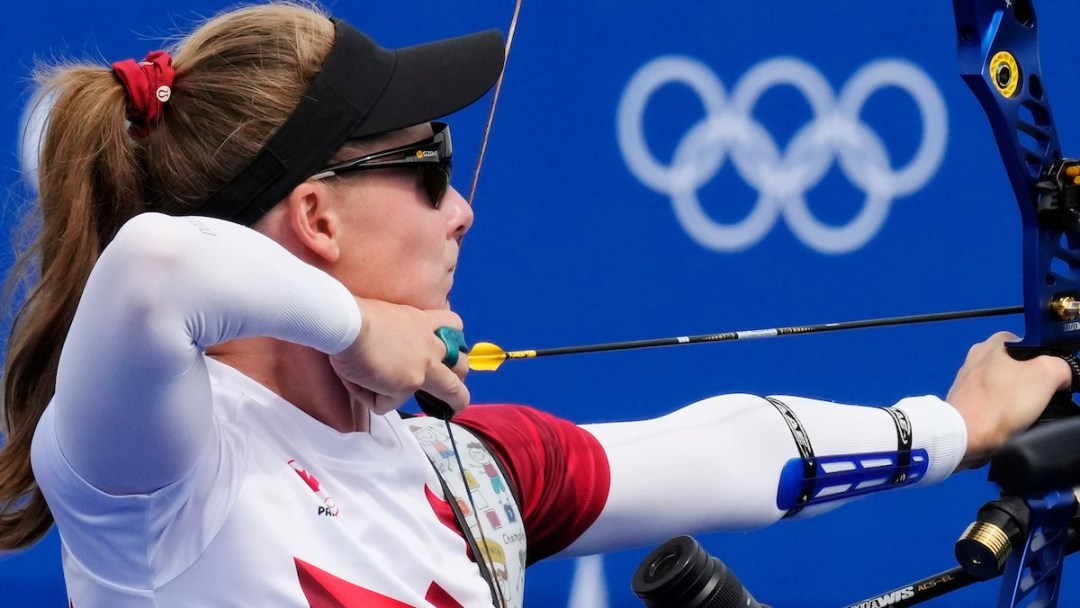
[(312, 218)]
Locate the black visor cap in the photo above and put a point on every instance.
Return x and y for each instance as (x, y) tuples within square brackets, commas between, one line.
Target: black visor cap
[(361, 90)]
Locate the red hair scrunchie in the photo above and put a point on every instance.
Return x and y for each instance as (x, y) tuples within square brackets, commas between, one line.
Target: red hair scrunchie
[(148, 85)]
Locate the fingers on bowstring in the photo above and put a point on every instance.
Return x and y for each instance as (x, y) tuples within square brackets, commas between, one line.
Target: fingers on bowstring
[(445, 384)]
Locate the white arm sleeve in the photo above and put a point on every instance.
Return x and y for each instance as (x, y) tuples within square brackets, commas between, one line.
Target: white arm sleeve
[(132, 407), (716, 464)]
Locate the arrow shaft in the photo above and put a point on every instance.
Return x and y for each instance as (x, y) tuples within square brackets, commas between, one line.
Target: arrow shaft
[(756, 334)]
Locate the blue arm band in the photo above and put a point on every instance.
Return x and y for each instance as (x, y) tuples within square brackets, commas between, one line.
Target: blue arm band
[(810, 481)]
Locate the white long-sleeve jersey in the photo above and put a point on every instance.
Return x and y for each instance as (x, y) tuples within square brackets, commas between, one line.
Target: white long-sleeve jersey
[(177, 481)]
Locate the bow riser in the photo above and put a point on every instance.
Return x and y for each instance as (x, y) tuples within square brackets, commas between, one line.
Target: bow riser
[(999, 60)]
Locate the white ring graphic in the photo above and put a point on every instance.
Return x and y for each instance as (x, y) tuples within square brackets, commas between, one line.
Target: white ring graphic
[(782, 177)]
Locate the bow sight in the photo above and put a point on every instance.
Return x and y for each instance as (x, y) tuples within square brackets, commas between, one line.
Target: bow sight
[(1057, 196), (1057, 204)]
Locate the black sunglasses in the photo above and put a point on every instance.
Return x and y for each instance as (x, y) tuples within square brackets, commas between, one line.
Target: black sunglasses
[(432, 157)]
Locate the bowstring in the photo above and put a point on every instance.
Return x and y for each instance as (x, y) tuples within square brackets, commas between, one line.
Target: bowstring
[(494, 102), (489, 561)]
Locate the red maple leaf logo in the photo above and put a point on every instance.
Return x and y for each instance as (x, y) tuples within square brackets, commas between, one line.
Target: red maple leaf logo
[(324, 590), (308, 478)]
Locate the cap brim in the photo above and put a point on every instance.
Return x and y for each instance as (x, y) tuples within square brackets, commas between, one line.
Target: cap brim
[(362, 89), (432, 80)]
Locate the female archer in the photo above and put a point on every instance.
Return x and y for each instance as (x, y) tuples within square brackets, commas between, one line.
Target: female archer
[(246, 247)]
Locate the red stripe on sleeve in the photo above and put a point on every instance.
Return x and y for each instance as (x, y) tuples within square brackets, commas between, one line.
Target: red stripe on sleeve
[(560, 471)]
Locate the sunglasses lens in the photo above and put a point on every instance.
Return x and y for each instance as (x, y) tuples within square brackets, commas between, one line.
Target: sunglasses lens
[(436, 183)]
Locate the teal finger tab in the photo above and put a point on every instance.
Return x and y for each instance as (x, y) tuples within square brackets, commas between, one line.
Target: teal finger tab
[(454, 340)]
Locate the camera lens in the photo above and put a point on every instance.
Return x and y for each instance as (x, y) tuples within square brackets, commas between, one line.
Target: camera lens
[(658, 569), (680, 574)]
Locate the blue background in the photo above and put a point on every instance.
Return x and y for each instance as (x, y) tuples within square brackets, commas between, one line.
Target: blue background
[(570, 248)]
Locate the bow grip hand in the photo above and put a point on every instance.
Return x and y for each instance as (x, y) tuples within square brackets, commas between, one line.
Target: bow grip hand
[(999, 394), (1061, 403)]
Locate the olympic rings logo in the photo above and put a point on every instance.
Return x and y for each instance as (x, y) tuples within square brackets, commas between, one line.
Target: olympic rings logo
[(782, 178)]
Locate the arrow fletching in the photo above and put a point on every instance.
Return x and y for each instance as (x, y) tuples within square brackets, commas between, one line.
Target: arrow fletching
[(486, 357)]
